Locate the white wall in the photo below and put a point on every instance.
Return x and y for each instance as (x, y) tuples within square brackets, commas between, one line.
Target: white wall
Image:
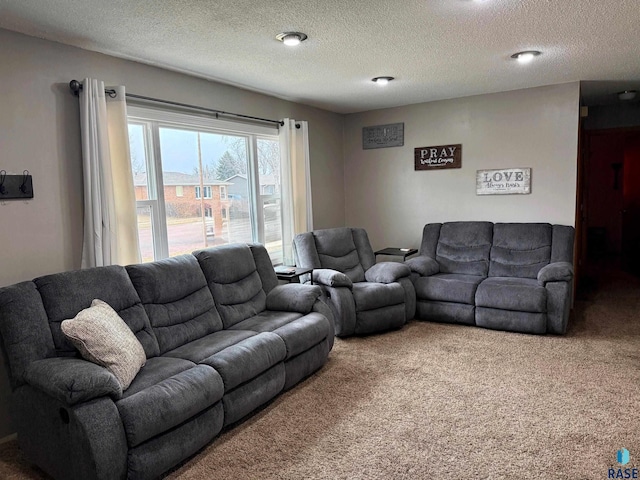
[(39, 131), (535, 128)]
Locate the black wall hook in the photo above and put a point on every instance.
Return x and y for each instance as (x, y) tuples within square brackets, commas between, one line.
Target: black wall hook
[(16, 187)]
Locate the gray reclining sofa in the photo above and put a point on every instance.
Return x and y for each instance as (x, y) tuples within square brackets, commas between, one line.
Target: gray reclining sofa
[(506, 276), (365, 297), (220, 336)]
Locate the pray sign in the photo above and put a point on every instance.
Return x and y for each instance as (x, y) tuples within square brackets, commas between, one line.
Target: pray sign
[(439, 157)]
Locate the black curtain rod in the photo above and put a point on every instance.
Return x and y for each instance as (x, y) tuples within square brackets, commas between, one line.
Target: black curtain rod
[(76, 86)]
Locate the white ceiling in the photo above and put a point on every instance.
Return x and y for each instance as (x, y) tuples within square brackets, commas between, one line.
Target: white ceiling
[(436, 49)]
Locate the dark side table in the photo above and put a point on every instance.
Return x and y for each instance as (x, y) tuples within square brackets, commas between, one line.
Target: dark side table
[(397, 252), (285, 274)]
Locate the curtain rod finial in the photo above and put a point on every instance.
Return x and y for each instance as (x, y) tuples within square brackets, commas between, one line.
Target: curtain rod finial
[(75, 86)]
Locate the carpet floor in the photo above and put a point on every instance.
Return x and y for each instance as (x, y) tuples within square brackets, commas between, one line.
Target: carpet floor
[(438, 401)]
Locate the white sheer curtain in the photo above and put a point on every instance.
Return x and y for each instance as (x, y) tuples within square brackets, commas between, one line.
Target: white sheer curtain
[(110, 223), (297, 213)]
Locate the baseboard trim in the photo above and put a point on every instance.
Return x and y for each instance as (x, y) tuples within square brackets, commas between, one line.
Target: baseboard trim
[(8, 438)]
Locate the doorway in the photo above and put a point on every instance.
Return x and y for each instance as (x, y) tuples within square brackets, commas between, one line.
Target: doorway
[(610, 201)]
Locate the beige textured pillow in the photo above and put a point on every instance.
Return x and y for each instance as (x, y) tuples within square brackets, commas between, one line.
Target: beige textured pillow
[(103, 338)]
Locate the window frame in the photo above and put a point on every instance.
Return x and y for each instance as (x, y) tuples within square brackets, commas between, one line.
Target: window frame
[(152, 119)]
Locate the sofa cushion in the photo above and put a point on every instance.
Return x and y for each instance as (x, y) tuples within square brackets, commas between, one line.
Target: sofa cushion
[(103, 338), (65, 294), (267, 321), (213, 343), (168, 403), (369, 296), (232, 276), (520, 249), (512, 293), (177, 300), (463, 247), (156, 370), (247, 359), (298, 332), (448, 287), (337, 251)]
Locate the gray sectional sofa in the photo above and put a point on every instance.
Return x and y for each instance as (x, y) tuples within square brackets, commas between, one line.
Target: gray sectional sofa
[(506, 276), (221, 338)]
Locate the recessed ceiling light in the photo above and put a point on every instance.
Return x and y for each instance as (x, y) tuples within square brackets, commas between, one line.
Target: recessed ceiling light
[(627, 95), (526, 56), (382, 81), (291, 39)]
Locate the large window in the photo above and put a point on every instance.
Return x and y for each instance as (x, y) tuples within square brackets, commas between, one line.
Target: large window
[(201, 182)]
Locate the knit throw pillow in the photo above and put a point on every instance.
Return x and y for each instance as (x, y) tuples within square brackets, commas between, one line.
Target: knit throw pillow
[(102, 337)]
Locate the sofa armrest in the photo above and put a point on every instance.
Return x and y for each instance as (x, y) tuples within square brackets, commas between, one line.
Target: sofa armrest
[(331, 278), (387, 272), (555, 272), (72, 380), (423, 265), (293, 297)]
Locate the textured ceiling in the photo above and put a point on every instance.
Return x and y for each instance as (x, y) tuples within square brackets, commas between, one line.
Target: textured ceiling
[(436, 49)]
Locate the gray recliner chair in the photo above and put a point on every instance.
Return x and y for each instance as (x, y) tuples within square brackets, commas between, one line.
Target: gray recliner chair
[(365, 297)]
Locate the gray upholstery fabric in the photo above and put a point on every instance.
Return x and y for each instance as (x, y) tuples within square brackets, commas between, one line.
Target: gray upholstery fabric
[(562, 246), (383, 318), (155, 371), (512, 293), (305, 252), (213, 343), (85, 441), (558, 306), (520, 249), (247, 359), (177, 300), (343, 307), (72, 380), (293, 298), (65, 294), (234, 281), (430, 236), (300, 367), (348, 251), (524, 258), (154, 457), (337, 250), (363, 247), (331, 278), (409, 297), (74, 420), (387, 272), (369, 296), (446, 312), (324, 309), (513, 321), (169, 403), (556, 272), (24, 329), (463, 247), (264, 267), (448, 287), (249, 396), (303, 334), (266, 321), (423, 265)]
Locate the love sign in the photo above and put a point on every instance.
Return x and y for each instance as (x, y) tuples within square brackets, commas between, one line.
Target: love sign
[(503, 181)]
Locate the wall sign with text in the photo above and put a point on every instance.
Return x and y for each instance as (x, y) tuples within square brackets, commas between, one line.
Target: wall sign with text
[(439, 157), (380, 136), (504, 181)]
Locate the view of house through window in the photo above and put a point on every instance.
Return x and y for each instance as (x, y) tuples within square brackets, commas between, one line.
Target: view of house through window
[(199, 183)]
